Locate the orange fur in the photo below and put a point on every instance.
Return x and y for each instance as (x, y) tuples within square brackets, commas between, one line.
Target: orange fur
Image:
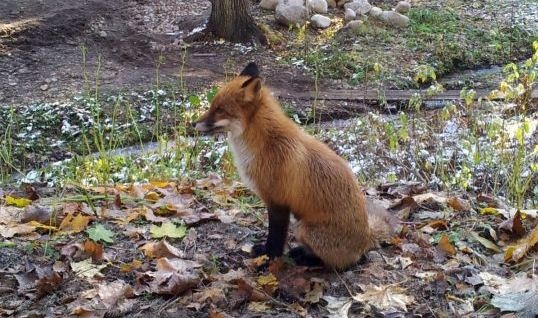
[(285, 166)]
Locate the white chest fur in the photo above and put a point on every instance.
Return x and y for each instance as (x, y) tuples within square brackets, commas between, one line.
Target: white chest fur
[(243, 158)]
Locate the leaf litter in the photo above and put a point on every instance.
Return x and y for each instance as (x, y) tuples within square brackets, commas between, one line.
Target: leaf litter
[(191, 241)]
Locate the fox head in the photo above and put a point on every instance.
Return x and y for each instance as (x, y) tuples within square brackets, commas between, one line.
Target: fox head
[(234, 104)]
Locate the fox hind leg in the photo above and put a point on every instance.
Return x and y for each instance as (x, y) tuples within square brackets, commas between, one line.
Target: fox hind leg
[(303, 256)]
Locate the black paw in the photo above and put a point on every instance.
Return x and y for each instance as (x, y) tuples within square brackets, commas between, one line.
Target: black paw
[(302, 256), (259, 250)]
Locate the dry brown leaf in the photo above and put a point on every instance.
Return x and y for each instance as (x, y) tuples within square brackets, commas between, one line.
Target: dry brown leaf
[(459, 204), (519, 250), (438, 224), (514, 225), (173, 277), (94, 250), (445, 245), (258, 306), (161, 249), (214, 294), (384, 297), (112, 294), (337, 307), (10, 214), (129, 267), (74, 224), (485, 242), (268, 283), (315, 294), (219, 314), (8, 231)]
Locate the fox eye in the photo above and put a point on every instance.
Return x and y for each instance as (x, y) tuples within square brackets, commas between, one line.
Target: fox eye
[(219, 111)]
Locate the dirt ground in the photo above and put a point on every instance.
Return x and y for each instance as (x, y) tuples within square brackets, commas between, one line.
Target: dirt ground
[(41, 48)]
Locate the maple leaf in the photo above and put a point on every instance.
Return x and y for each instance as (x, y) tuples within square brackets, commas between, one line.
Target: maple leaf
[(168, 229), (100, 233), (384, 297)]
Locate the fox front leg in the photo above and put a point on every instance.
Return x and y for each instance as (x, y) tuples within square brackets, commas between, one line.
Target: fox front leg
[(279, 219)]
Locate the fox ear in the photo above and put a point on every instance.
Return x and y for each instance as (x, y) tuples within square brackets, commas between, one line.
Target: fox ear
[(251, 89), (251, 70)]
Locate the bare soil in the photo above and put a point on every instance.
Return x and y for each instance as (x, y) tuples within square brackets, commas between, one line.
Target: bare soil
[(41, 48)]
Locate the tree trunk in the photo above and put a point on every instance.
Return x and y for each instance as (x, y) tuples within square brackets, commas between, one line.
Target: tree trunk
[(231, 20)]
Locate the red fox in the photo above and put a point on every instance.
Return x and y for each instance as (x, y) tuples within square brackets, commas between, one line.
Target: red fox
[(293, 172)]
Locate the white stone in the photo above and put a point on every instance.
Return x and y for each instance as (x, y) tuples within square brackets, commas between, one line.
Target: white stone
[(290, 14), (402, 7), (291, 2), (350, 15), (318, 6), (394, 19), (320, 21), (353, 25), (269, 4), (359, 6), (375, 12)]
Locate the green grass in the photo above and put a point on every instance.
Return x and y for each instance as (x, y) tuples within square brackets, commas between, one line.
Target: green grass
[(447, 40), (458, 44)]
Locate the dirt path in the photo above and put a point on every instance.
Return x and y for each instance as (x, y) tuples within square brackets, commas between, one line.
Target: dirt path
[(41, 48)]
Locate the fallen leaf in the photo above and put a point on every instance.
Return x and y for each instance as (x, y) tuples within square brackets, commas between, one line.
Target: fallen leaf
[(315, 294), (214, 294), (10, 214), (485, 242), (74, 224), (489, 211), (384, 297), (258, 306), (337, 307), (519, 293), (8, 231), (459, 204), (131, 266), (519, 250), (161, 249), (100, 233), (514, 225), (18, 202), (268, 283), (173, 277), (168, 229), (445, 245), (112, 294), (86, 269), (94, 250), (298, 309)]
